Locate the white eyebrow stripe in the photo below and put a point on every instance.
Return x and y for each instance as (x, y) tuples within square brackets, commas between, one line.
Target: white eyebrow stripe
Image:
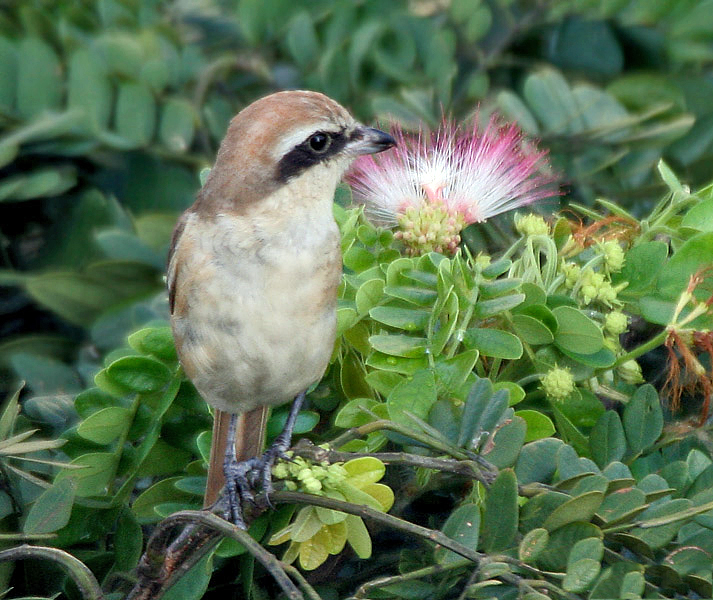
[(299, 135)]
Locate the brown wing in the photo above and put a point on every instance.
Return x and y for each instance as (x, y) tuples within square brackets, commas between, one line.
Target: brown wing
[(170, 266)]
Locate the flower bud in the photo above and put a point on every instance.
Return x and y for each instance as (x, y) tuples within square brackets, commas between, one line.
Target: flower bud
[(613, 255), (312, 486), (616, 322), (630, 372), (528, 225), (558, 383), (280, 471)]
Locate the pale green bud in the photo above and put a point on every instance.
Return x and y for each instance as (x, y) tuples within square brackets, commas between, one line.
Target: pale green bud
[(616, 322), (528, 225), (312, 486), (558, 383), (613, 255), (630, 372), (281, 471)]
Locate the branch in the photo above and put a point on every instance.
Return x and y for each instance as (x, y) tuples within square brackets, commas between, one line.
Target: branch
[(159, 571), (467, 468), (78, 571)]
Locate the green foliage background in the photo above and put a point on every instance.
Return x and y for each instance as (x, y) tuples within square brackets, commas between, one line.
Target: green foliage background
[(110, 108)]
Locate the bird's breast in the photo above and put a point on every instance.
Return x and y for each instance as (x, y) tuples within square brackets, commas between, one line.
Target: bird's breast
[(259, 316)]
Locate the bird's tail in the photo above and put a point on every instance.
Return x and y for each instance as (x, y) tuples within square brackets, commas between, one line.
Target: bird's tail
[(249, 441)]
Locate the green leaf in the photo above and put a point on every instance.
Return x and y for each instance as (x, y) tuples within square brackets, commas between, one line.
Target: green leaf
[(42, 183), (128, 541), (104, 426), (358, 536), (154, 340), (642, 265), (643, 419), (601, 359), (368, 295), (576, 332), (539, 425), (305, 525), (8, 75), (92, 479), (365, 470), (463, 526), (52, 509), (537, 461), (587, 548), (178, 123), (514, 109), (660, 535), (485, 309), (549, 96), (452, 373), (607, 440), (408, 319), (412, 294), (194, 583), (699, 216), (399, 345), (691, 257), (561, 542), (507, 443), (358, 259), (531, 330), (89, 89), (533, 544), (581, 508), (515, 392), (135, 114), (494, 343), (416, 395), (139, 373), (581, 574), (39, 78), (622, 505), (500, 518), (160, 492), (356, 413), (302, 39)]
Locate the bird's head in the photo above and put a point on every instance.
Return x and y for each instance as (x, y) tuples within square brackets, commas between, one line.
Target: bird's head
[(297, 138)]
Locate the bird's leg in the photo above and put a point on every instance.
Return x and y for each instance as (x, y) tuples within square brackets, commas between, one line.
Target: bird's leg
[(282, 443), (236, 483)]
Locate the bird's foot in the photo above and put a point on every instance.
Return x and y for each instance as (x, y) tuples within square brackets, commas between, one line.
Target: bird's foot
[(243, 477), (237, 489)]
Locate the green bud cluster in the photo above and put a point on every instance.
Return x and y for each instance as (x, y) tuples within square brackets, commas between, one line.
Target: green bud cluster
[(571, 272), (483, 260), (430, 227), (528, 225), (630, 372), (301, 475), (595, 286), (558, 383), (616, 322), (613, 255)]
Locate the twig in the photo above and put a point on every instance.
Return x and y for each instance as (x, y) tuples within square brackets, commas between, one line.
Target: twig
[(361, 510), (467, 468), (417, 574), (304, 584), (80, 574), (203, 532)]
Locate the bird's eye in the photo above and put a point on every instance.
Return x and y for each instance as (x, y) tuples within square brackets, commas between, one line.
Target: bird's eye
[(319, 142)]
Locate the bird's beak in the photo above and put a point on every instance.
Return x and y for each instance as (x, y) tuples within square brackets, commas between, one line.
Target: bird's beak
[(367, 140)]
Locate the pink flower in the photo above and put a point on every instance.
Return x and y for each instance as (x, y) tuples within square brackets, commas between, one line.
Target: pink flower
[(432, 186)]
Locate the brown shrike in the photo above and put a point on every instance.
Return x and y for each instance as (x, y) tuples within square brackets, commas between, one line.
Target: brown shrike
[(253, 272)]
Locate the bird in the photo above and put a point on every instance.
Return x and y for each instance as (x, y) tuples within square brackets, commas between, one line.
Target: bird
[(253, 270)]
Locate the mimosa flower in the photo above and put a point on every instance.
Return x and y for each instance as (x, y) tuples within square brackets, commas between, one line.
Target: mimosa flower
[(432, 185)]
